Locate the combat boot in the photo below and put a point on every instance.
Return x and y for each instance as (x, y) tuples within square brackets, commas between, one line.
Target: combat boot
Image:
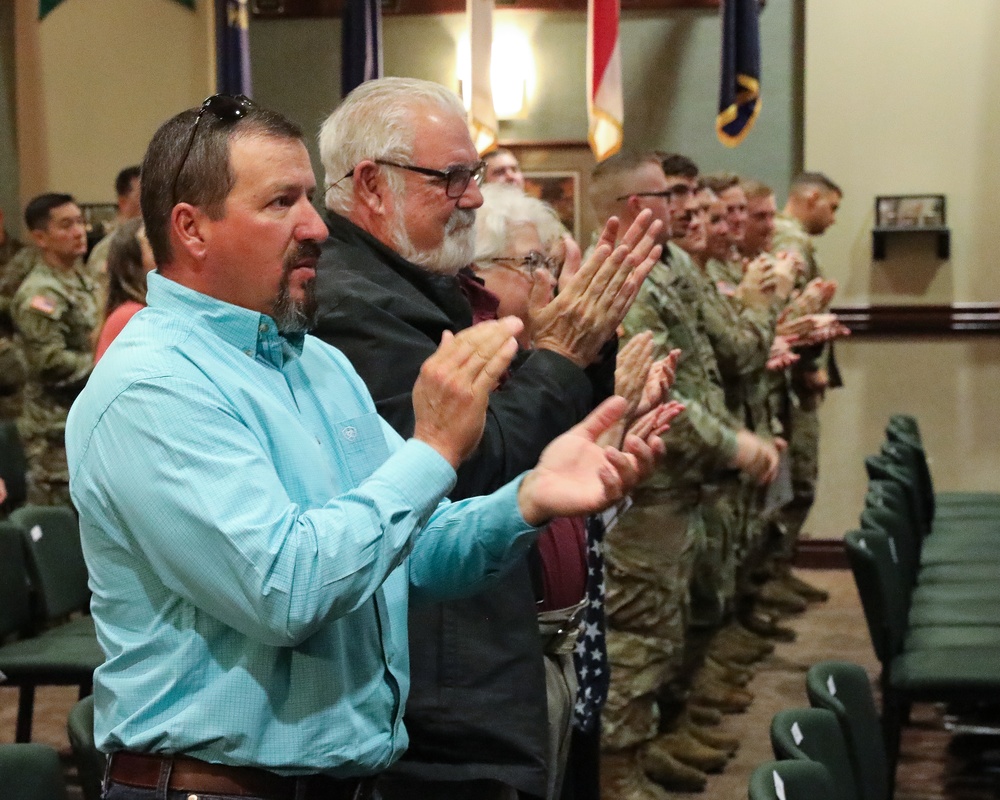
[(774, 594), (804, 589), (668, 772), (743, 653), (718, 740), (743, 636), (703, 715), (727, 699), (765, 626), (623, 778), (688, 750), (727, 672)]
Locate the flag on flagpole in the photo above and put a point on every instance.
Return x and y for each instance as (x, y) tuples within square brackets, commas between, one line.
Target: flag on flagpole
[(483, 126), (232, 47), (739, 92), (605, 106), (361, 44)]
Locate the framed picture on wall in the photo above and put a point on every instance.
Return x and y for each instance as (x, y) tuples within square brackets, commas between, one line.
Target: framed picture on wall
[(557, 171), (910, 211), (561, 190)]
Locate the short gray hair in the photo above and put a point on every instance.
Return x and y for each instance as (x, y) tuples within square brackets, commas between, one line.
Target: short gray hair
[(505, 206), (375, 122)]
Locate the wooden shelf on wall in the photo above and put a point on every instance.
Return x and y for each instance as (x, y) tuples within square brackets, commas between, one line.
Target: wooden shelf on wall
[(303, 9), (957, 319)]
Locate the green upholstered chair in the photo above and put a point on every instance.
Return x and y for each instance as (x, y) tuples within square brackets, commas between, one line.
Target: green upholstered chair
[(845, 689), (90, 762), (813, 734), (51, 536), (31, 772), (791, 780), (29, 661)]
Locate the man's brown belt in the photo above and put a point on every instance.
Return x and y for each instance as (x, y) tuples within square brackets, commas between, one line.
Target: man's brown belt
[(183, 774)]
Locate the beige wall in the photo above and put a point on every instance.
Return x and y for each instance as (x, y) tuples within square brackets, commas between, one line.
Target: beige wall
[(94, 80), (903, 96)]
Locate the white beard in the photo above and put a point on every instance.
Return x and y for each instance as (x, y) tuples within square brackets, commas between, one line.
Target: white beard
[(456, 250)]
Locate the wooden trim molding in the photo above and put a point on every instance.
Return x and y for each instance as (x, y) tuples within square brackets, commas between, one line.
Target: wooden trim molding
[(958, 319), (301, 9), (821, 554)]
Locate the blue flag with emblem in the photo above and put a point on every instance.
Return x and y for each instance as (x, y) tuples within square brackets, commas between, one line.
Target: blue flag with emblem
[(232, 47), (361, 47), (739, 93)]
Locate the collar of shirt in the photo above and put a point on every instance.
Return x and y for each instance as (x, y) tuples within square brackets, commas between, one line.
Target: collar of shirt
[(254, 333)]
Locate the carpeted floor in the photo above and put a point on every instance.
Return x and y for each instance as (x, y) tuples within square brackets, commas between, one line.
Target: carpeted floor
[(929, 767)]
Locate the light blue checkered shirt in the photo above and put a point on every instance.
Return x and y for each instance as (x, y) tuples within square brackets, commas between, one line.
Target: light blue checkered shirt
[(253, 532)]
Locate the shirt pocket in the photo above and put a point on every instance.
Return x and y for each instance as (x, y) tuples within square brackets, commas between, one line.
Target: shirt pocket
[(361, 445)]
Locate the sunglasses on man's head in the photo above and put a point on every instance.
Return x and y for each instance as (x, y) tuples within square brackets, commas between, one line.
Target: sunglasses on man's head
[(223, 107)]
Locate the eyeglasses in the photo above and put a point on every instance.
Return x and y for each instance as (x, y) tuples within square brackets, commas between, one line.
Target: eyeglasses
[(679, 192), (225, 108), (530, 263), (456, 179)]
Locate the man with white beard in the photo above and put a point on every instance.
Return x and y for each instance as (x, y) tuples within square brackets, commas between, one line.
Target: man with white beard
[(402, 188)]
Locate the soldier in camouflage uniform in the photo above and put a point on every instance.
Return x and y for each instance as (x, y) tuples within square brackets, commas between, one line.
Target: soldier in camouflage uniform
[(127, 191), (650, 553), (55, 313), (811, 208), (15, 261), (741, 338)]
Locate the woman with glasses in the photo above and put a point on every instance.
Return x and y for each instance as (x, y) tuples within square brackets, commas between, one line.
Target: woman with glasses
[(130, 259), (515, 234)]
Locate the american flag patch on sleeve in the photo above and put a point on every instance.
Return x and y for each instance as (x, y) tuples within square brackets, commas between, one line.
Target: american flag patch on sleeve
[(42, 303)]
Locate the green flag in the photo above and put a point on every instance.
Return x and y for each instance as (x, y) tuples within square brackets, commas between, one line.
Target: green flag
[(45, 6)]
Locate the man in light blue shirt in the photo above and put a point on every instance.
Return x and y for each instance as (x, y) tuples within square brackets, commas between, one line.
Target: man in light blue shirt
[(253, 529)]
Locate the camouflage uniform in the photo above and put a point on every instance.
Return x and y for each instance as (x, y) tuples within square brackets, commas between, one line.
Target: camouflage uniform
[(741, 339), (15, 263), (650, 553), (803, 439), (55, 313)]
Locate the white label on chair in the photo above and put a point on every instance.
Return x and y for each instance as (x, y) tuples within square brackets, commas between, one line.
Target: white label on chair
[(862, 544), (892, 550), (797, 733), (779, 785), (831, 687), (36, 533)]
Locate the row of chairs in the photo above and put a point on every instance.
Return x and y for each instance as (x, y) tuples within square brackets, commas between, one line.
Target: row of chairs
[(830, 751), (43, 589), (925, 564)]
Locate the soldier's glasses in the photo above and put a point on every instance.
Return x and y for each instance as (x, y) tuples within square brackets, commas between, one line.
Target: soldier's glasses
[(456, 179), (679, 192), (225, 108)]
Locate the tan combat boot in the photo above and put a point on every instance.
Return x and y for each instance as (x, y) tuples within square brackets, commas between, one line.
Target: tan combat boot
[(703, 715), (688, 750), (774, 594), (717, 739), (727, 699), (804, 589), (669, 773), (623, 778)]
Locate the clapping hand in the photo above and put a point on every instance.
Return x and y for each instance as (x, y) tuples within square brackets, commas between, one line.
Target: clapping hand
[(588, 309), (576, 476), (451, 394)]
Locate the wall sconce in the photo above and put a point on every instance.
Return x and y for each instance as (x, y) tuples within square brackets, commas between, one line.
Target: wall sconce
[(512, 70)]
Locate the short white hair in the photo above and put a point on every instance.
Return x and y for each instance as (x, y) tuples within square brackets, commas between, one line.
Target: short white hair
[(375, 122), (505, 206)]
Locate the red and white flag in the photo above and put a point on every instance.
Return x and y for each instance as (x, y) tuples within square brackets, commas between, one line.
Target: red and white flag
[(482, 116), (605, 107)]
